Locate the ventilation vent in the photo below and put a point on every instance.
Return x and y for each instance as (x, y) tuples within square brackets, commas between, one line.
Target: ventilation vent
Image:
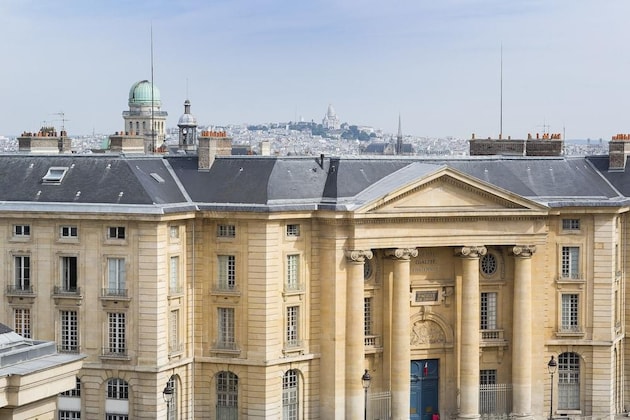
[(157, 177), (55, 175)]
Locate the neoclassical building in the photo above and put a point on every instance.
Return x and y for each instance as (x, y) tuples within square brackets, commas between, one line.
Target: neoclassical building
[(258, 287), (145, 116)]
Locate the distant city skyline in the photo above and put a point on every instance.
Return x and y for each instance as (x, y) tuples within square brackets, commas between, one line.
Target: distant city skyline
[(437, 64)]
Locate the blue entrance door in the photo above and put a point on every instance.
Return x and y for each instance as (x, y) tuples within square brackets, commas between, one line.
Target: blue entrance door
[(424, 389)]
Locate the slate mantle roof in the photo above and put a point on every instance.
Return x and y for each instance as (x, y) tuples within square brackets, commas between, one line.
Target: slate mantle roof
[(161, 184)]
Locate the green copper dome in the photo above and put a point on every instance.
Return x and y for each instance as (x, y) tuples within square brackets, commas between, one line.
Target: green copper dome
[(140, 94)]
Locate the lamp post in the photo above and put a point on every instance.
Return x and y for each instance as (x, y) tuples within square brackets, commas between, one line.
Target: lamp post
[(167, 394), (551, 366), (365, 381)]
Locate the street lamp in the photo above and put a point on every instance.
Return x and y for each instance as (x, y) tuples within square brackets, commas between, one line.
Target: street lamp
[(167, 394), (551, 366), (365, 381)]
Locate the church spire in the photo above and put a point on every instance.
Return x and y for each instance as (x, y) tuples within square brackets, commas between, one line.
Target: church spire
[(399, 138)]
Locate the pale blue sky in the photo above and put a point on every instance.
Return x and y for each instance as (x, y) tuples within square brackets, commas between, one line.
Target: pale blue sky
[(565, 63)]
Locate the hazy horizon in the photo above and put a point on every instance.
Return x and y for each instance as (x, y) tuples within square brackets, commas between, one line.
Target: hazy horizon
[(437, 64)]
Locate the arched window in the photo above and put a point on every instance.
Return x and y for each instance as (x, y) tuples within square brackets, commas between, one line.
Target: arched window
[(174, 404), (569, 381), (117, 401), (290, 396), (227, 395)]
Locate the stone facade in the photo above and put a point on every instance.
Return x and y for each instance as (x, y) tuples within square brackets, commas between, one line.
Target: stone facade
[(259, 313)]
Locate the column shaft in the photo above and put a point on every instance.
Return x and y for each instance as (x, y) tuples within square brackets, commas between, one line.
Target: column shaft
[(469, 364), (355, 350), (522, 335), (400, 368)]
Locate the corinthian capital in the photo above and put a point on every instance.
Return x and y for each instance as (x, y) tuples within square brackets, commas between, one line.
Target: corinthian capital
[(524, 251), (471, 251), (402, 253), (358, 255)]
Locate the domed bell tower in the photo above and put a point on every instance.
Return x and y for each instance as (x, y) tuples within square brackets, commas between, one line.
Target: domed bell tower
[(187, 130)]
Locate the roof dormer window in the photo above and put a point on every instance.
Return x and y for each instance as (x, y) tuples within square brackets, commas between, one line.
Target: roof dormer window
[(55, 175)]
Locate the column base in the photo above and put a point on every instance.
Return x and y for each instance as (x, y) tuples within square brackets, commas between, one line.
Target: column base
[(521, 416), (468, 416)]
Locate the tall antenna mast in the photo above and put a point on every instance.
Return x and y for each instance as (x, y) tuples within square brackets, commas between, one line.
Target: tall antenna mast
[(152, 99), (501, 100)]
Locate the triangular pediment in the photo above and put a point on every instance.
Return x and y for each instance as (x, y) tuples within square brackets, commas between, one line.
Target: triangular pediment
[(449, 191)]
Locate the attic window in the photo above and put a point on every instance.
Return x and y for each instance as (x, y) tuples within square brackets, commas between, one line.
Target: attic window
[(157, 177), (55, 175)]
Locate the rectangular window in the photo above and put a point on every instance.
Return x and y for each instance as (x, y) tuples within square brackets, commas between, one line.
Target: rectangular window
[(174, 232), (173, 329), (570, 224), (174, 276), (116, 333), (69, 278), (226, 231), (21, 230), (570, 312), (569, 381), (225, 339), (293, 269), (290, 396), (226, 272), (570, 262), (487, 377), (116, 232), (367, 316), (69, 332), (488, 315), (293, 230), (69, 415), (292, 336), (69, 232), (116, 277), (23, 273), (22, 322), (75, 392)]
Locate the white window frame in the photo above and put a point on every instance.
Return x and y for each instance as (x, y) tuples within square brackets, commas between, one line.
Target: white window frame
[(488, 305), (292, 280), (69, 331), (116, 277), (291, 395), (22, 231), (227, 394), (22, 322), (69, 231), (174, 342), (570, 265), (226, 328), (173, 282), (116, 232), (226, 272), (116, 333), (226, 231), (292, 326), (69, 274), (570, 313), (293, 230), (569, 368), (368, 316), (570, 224), (22, 275)]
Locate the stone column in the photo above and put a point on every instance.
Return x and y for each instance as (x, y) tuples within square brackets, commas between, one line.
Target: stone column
[(469, 364), (400, 352), (522, 332), (355, 340)]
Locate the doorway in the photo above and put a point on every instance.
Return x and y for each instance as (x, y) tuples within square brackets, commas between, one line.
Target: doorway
[(424, 389)]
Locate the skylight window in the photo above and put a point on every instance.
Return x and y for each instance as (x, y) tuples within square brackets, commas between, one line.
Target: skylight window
[(55, 174)]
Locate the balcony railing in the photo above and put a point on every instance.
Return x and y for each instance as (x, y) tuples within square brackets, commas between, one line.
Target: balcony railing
[(293, 287), (372, 341), (115, 353), (20, 290), (175, 347), (570, 329), (495, 399), (68, 348), (62, 290), (114, 292), (570, 276)]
